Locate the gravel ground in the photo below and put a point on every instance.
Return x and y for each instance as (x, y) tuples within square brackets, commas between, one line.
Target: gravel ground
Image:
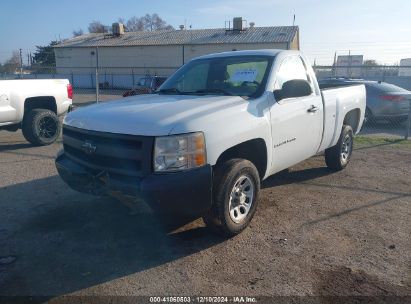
[(315, 233)]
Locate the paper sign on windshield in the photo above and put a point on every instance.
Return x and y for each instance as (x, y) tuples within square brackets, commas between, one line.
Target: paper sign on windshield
[(244, 75)]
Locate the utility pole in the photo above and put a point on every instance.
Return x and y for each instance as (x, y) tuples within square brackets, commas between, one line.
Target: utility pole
[(21, 63), (97, 82)]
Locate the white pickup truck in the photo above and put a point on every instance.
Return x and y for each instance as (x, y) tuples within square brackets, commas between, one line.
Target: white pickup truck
[(217, 127), (34, 106)]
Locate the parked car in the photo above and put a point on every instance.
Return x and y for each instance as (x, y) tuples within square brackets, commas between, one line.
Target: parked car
[(146, 85), (212, 132), (34, 106), (385, 101)]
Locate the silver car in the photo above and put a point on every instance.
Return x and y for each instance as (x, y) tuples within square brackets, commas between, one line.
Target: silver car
[(385, 101)]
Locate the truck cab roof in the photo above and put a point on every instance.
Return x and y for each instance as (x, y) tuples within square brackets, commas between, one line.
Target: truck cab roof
[(264, 52)]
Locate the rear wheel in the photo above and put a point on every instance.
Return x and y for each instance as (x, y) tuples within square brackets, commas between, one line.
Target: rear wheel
[(41, 127), (338, 157), (236, 188)]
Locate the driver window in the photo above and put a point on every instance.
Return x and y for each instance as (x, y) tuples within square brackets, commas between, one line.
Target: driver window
[(291, 68)]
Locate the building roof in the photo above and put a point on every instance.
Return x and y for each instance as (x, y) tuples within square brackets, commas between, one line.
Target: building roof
[(272, 34)]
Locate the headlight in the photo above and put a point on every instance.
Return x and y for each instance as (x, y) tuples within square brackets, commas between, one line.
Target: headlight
[(179, 152)]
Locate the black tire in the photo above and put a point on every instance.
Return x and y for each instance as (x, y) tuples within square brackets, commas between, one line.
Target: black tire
[(338, 157), (41, 127), (226, 178)]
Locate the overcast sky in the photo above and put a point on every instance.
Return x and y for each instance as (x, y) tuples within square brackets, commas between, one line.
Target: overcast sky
[(378, 29)]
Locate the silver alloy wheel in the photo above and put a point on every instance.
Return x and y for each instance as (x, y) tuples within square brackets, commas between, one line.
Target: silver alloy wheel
[(241, 198), (346, 149)]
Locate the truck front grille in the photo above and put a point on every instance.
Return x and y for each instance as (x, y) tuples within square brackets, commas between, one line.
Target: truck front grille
[(118, 154)]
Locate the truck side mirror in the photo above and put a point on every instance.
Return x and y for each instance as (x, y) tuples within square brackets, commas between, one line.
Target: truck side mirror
[(293, 88)]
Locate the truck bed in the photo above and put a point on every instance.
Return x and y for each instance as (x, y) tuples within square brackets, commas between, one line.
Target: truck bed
[(335, 100)]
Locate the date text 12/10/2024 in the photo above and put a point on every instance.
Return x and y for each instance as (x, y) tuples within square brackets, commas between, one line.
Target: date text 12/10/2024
[(203, 299)]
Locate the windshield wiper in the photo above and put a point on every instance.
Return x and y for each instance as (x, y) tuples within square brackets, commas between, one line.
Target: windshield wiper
[(211, 91), (169, 90)]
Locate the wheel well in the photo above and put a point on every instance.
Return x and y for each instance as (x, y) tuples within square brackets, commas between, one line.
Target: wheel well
[(254, 150), (352, 119), (42, 102)]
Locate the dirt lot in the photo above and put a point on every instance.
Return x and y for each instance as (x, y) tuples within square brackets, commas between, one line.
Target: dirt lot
[(315, 233)]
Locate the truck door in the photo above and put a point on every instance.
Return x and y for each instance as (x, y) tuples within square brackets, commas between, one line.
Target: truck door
[(296, 123)]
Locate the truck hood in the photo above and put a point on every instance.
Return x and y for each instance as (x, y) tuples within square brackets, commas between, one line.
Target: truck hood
[(150, 115)]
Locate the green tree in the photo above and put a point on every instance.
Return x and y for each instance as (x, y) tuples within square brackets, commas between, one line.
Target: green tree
[(44, 59)]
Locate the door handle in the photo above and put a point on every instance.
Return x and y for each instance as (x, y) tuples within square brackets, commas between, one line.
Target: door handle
[(313, 109)]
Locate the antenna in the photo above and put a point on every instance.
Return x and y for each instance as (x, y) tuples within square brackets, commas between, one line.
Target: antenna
[(294, 20), (21, 63)]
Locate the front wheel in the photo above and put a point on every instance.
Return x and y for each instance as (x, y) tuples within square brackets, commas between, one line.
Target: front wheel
[(338, 157), (235, 198)]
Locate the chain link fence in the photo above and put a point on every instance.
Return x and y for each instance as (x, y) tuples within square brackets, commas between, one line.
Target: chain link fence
[(91, 84)]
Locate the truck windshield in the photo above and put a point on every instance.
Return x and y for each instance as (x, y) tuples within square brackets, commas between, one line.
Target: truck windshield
[(244, 76)]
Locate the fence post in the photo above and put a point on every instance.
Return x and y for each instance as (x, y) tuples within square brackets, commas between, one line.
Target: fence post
[(408, 124)]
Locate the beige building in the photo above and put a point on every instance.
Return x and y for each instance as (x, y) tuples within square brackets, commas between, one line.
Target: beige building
[(162, 52)]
